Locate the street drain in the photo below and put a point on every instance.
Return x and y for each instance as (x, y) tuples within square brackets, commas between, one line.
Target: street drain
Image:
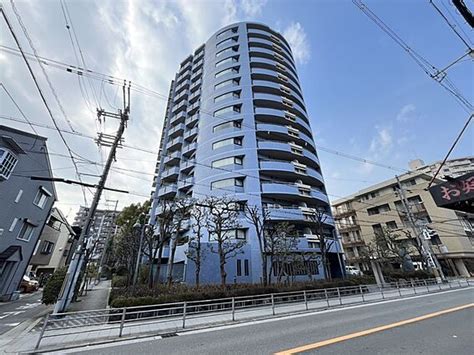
[(169, 335)]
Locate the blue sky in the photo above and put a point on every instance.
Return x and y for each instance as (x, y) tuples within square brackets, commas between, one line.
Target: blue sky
[(365, 96)]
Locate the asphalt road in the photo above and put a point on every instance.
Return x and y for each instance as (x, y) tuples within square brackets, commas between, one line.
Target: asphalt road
[(447, 333), (27, 308)]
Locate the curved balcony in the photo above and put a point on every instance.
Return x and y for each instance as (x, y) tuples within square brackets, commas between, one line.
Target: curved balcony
[(272, 64), (283, 151), (270, 54), (270, 44), (277, 101), (279, 132), (273, 75), (293, 192), (264, 114), (293, 214), (288, 170), (269, 36), (167, 191), (271, 87)]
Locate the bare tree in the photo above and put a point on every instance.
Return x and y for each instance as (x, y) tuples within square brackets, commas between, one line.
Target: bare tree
[(156, 239), (259, 219), (319, 217), (195, 252), (181, 209), (281, 243), (311, 261), (222, 224)]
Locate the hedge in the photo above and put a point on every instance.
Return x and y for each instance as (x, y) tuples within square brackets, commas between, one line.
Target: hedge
[(53, 286), (141, 295)]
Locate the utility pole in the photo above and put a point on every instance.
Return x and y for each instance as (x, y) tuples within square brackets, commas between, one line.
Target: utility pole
[(77, 262), (429, 255)]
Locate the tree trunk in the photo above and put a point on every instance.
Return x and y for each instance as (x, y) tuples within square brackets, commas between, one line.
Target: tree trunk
[(173, 243), (158, 264), (222, 264), (198, 263)]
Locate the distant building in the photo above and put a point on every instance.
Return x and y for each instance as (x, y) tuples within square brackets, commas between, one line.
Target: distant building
[(25, 203), (452, 168), (55, 247), (102, 227), (359, 217)]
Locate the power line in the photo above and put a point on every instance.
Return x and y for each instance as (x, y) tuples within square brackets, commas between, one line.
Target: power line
[(43, 97), (19, 109), (451, 149), (450, 24), (422, 62)]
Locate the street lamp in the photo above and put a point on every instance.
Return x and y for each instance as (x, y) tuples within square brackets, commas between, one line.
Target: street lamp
[(139, 228)]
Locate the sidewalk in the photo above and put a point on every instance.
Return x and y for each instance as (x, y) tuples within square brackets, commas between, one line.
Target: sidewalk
[(97, 298), (100, 329)]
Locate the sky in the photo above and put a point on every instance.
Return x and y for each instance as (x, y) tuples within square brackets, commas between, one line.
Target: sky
[(365, 96)]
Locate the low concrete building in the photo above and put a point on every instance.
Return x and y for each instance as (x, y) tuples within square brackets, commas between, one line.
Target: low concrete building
[(378, 208), (25, 203), (55, 247)]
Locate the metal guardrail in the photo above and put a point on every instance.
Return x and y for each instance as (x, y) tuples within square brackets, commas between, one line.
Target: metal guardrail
[(71, 323)]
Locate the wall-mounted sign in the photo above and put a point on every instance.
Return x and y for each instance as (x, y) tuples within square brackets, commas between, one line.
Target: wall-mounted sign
[(456, 194)]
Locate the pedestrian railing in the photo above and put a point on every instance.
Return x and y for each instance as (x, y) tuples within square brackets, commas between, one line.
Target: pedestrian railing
[(170, 317)]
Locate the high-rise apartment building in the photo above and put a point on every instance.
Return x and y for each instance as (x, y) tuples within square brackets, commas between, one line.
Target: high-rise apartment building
[(378, 209), (236, 125), (103, 226)]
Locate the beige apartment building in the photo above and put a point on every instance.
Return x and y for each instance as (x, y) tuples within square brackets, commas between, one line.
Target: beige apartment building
[(360, 216)]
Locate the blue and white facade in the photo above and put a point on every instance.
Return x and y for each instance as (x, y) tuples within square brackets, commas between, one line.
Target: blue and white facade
[(236, 125)]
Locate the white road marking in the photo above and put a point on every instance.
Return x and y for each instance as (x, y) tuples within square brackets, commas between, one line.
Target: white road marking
[(7, 314), (12, 324)]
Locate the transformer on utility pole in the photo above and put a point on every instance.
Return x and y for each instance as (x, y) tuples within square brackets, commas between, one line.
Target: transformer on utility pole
[(78, 261)]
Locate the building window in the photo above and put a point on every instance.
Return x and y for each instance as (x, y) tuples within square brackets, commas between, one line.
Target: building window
[(226, 110), (8, 162), (233, 82), (228, 95), (233, 59), (41, 197), (246, 267), (392, 225), (17, 199), (227, 161), (239, 267), (226, 32), (47, 248), (222, 184), (13, 225), (233, 70), (227, 50), (226, 142), (26, 231), (227, 125)]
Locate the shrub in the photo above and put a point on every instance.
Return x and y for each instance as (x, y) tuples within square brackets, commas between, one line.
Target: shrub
[(53, 286), (393, 276), (141, 295), (119, 281)]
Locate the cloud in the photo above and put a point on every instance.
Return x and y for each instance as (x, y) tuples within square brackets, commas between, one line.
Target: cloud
[(382, 142), (296, 36), (252, 8), (406, 113)]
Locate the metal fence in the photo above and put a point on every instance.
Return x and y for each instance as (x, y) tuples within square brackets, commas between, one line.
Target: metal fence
[(113, 322)]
